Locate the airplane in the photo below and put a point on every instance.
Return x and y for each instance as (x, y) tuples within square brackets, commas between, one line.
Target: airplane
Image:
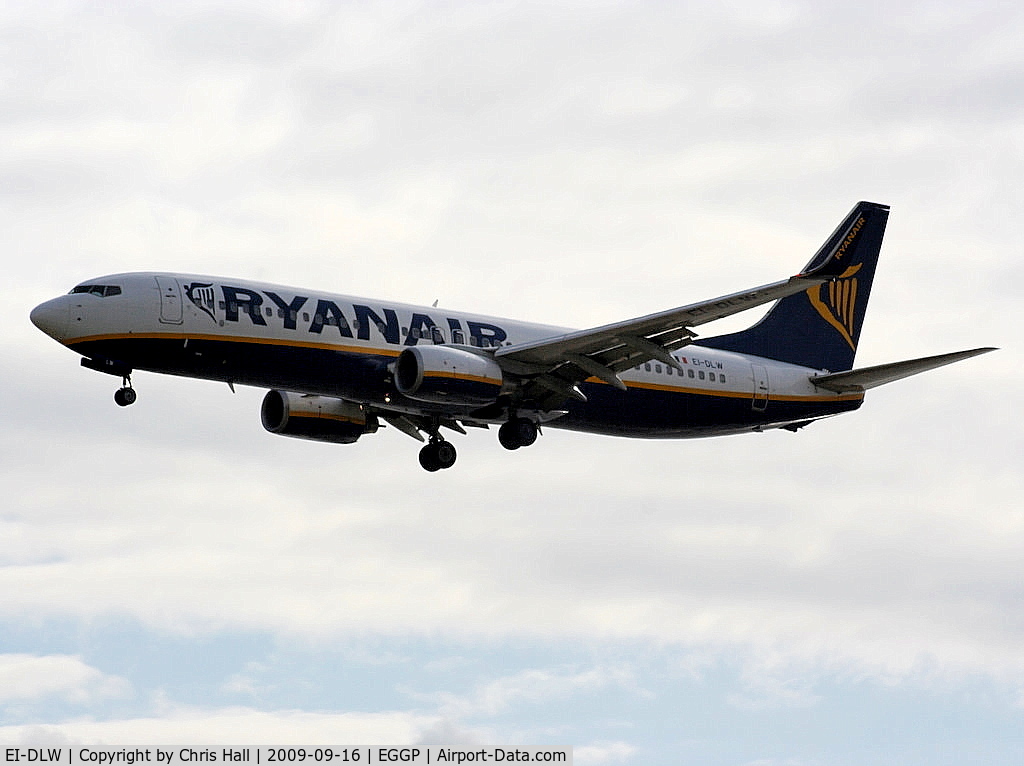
[(337, 366)]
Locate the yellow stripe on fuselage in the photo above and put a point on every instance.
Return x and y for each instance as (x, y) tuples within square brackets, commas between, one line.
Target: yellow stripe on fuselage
[(369, 350), (735, 394)]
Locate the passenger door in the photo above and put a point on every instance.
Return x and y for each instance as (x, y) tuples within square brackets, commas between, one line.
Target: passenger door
[(760, 401), (170, 300)]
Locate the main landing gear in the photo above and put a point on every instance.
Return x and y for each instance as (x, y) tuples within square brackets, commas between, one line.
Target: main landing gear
[(517, 432), (125, 395), (438, 454)]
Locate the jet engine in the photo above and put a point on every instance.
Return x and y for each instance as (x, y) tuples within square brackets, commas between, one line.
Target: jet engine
[(319, 418), (447, 375)]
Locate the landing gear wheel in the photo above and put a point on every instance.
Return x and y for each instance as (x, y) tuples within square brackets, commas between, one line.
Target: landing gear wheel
[(125, 396), (446, 454), (526, 431), (507, 436), (429, 460), (516, 433), (438, 455)]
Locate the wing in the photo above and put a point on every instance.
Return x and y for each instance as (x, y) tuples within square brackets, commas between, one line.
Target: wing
[(558, 364)]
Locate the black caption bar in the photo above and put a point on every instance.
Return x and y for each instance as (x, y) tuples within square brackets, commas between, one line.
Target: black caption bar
[(432, 755)]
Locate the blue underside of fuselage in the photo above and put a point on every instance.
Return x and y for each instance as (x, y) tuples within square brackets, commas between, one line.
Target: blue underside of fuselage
[(640, 412)]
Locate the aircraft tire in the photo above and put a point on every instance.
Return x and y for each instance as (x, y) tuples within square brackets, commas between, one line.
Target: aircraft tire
[(507, 436), (125, 396), (526, 432), (516, 433), (429, 458), (438, 455), (446, 454)]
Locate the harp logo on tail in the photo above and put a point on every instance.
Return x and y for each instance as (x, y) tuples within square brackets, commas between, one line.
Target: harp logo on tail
[(836, 302)]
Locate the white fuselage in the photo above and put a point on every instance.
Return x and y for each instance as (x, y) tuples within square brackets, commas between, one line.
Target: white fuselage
[(231, 330)]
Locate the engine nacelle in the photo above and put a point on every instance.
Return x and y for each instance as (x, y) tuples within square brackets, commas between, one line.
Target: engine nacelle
[(447, 375), (319, 418)]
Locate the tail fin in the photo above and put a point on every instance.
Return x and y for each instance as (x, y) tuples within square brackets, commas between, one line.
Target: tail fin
[(820, 327)]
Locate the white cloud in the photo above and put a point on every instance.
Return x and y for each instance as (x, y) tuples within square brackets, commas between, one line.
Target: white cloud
[(603, 752), (772, 689), (183, 726), (35, 678), (532, 687)]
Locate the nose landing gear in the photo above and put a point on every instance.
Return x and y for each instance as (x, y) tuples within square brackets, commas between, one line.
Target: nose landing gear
[(125, 395), (438, 455)]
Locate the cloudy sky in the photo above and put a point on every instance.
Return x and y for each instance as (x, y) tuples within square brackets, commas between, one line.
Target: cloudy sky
[(171, 573)]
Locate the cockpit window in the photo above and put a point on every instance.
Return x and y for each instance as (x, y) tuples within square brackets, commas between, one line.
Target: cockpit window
[(103, 291)]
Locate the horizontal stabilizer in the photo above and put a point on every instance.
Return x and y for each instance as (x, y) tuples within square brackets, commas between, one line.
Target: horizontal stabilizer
[(870, 377)]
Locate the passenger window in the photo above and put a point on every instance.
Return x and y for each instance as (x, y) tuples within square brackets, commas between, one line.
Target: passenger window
[(721, 378), (700, 374), (657, 368), (647, 366), (711, 376), (689, 373), (305, 316)]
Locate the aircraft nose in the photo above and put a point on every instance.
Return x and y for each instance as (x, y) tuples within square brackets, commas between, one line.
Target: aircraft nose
[(51, 317)]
